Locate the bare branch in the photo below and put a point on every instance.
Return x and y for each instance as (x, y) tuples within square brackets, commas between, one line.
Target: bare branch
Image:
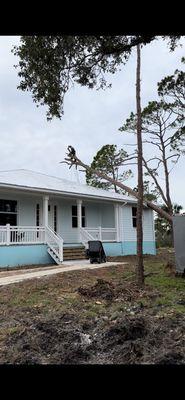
[(74, 160), (156, 181)]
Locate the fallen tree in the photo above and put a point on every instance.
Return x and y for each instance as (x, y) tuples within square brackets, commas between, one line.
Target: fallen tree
[(72, 159)]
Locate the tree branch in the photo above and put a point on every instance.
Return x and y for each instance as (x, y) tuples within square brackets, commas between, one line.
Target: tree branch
[(72, 159)]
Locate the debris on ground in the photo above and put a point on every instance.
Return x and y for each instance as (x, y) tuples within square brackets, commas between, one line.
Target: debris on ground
[(102, 289), (104, 319), (128, 340)]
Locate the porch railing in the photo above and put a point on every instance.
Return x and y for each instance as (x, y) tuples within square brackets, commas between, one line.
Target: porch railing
[(103, 234), (55, 242), (17, 235), (10, 235), (85, 236)]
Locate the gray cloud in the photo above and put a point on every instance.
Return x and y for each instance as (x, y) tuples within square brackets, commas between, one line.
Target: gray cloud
[(91, 118)]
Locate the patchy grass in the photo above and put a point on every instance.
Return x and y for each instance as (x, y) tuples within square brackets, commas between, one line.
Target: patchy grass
[(171, 288), (55, 308)]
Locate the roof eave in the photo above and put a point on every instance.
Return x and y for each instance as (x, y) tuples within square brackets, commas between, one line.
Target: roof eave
[(64, 193)]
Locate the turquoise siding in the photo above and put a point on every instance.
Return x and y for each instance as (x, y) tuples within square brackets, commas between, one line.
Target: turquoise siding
[(126, 248), (12, 256), (113, 249)]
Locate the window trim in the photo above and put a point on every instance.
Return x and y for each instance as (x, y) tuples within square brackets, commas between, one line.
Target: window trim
[(83, 219), (11, 212)]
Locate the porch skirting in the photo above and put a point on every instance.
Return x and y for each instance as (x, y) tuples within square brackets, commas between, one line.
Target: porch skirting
[(128, 248), (18, 255), (13, 256)]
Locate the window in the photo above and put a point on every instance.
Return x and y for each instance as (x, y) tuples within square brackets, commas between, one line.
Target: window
[(83, 217), (37, 214), (134, 216), (55, 218), (8, 212), (75, 217)]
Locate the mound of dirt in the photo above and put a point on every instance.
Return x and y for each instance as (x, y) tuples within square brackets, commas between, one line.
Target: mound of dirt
[(52, 340), (101, 288), (63, 339), (126, 329), (124, 292), (169, 358)]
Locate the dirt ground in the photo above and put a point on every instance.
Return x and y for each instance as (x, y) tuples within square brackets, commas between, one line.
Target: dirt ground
[(96, 317)]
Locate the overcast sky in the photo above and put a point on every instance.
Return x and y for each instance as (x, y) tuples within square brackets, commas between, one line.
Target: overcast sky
[(91, 118)]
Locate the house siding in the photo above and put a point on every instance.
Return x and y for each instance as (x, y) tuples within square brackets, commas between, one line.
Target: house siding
[(98, 213), (128, 248), (129, 232), (13, 256)]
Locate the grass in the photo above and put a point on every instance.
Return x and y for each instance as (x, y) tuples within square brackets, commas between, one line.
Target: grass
[(171, 289), (60, 293)]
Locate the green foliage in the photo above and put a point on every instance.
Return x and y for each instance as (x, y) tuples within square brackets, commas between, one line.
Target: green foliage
[(153, 116), (173, 86), (50, 65), (108, 160), (163, 130), (149, 191), (163, 229)]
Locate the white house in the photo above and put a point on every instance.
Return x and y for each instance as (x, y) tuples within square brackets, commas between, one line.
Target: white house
[(41, 216)]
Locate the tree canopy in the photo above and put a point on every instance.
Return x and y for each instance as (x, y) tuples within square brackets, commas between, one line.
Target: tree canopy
[(164, 133), (110, 161), (50, 65), (173, 87)]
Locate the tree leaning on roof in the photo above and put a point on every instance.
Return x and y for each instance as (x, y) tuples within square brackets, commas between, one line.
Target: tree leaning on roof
[(72, 159)]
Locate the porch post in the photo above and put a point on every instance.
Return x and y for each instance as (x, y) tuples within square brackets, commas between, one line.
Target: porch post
[(79, 218), (116, 214), (7, 234), (45, 210)]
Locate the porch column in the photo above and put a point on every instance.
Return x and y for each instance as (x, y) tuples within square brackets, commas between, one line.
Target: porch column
[(116, 214), (79, 218), (45, 210)]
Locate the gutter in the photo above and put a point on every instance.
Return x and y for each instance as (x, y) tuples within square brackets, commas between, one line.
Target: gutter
[(58, 192)]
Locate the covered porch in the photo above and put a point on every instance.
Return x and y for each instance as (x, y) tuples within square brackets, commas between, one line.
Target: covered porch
[(57, 222)]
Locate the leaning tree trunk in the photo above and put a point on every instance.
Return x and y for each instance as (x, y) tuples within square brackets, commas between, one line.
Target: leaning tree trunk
[(72, 159), (140, 267)]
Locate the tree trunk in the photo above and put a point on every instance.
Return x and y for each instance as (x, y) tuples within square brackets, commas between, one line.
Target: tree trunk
[(140, 266), (166, 172), (76, 161)]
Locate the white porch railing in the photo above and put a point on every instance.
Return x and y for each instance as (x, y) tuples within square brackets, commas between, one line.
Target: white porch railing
[(17, 235), (103, 234), (55, 243), (85, 236), (10, 235)]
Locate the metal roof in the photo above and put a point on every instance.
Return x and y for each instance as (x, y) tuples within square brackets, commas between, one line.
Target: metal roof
[(31, 180)]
